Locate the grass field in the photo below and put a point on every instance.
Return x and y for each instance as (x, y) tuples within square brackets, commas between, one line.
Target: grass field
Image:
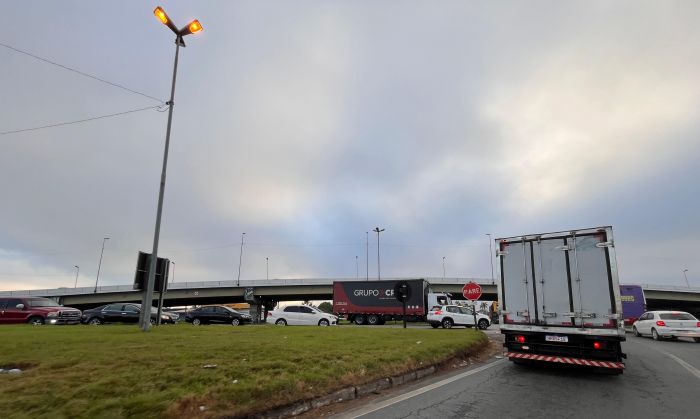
[(118, 371)]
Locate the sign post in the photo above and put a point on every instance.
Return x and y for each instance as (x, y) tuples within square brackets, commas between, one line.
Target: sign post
[(472, 292)]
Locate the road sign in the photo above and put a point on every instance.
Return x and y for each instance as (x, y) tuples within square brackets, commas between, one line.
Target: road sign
[(471, 291)]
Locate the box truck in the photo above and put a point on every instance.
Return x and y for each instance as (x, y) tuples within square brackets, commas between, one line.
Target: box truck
[(560, 299), (374, 302)]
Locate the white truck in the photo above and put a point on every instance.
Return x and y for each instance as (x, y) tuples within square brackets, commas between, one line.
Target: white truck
[(560, 299)]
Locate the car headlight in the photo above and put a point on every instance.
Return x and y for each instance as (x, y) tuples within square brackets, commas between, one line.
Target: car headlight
[(52, 314), (164, 317)]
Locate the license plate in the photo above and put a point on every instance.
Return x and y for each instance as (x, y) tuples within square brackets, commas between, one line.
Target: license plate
[(551, 338)]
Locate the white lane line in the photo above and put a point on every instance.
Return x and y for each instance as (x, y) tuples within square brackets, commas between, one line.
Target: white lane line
[(421, 390), (684, 364)]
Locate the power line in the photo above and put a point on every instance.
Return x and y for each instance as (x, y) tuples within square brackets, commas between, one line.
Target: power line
[(60, 124), (81, 73)]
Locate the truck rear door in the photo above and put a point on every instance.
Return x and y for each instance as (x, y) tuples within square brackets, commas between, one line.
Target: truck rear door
[(517, 292), (552, 282)]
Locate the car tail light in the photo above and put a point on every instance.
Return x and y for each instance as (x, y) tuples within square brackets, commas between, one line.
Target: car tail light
[(520, 339), (660, 323), (596, 345), (438, 312), (697, 325)]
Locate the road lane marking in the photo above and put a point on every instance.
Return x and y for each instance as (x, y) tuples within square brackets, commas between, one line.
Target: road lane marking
[(398, 399), (684, 364)]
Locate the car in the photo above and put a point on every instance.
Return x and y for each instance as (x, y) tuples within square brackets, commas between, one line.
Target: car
[(122, 313), (667, 324), (36, 311), (455, 315), (300, 315), (217, 314)]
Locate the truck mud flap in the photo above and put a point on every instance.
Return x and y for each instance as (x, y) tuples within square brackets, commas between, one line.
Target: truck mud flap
[(566, 360)]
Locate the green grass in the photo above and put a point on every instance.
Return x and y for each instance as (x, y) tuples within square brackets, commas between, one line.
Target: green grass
[(119, 371)]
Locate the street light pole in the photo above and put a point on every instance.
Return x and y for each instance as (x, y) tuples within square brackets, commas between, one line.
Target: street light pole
[(379, 272), (493, 279), (686, 277), (443, 269), (99, 266), (173, 271), (357, 269), (367, 253), (76, 275), (240, 259), (147, 301), (267, 268)]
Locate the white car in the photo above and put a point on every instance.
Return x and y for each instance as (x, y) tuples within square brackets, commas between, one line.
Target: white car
[(454, 315), (667, 324), (300, 315)]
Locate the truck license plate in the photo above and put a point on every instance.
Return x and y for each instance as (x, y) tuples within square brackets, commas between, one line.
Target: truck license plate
[(552, 338)]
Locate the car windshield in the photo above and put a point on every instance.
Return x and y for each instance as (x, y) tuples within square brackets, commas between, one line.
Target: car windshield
[(676, 316), (42, 302)]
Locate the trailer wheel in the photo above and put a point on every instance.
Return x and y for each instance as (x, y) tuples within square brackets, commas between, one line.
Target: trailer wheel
[(447, 323), (373, 319), (359, 319)]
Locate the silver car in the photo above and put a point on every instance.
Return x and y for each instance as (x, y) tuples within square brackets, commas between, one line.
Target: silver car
[(667, 324)]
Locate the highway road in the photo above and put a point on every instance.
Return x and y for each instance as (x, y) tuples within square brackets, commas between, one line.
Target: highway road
[(661, 380)]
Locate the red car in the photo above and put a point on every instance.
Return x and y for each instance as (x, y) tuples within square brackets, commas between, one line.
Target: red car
[(36, 310)]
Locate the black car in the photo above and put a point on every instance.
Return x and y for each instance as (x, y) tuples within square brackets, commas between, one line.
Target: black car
[(216, 314), (122, 313)]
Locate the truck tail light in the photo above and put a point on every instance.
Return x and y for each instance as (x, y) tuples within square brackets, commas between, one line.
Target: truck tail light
[(660, 323), (520, 339), (596, 345)]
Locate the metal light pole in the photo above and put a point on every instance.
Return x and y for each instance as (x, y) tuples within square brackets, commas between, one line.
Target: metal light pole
[(267, 268), (99, 266), (443, 268), (357, 269), (686, 277), (367, 253), (192, 27), (173, 271), (379, 272), (240, 259), (493, 279), (76, 275)]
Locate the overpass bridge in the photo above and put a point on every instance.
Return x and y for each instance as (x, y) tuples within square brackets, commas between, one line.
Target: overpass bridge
[(274, 290)]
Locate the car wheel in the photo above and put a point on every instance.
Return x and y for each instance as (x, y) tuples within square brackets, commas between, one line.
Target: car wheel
[(697, 340), (153, 322), (95, 321), (447, 323), (483, 324), (434, 325), (655, 334), (636, 332), (323, 322), (235, 322), (281, 322), (359, 319), (373, 319), (196, 322), (36, 321)]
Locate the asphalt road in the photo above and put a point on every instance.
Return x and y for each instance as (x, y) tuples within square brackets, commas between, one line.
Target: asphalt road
[(662, 380)]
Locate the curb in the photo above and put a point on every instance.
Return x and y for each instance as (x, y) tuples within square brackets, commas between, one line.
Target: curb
[(355, 392)]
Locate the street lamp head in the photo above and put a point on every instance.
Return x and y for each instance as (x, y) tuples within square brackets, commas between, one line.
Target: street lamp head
[(76, 266), (163, 17), (192, 27)]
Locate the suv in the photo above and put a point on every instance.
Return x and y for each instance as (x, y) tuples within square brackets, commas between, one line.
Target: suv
[(36, 310), (454, 315)]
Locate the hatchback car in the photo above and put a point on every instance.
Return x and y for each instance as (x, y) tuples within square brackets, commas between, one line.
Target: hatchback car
[(454, 315), (122, 313), (217, 314), (301, 315), (667, 324)]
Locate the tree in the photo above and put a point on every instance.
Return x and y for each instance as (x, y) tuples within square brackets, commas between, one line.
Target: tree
[(326, 307)]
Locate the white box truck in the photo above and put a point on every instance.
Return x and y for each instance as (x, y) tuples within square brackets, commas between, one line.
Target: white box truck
[(560, 299)]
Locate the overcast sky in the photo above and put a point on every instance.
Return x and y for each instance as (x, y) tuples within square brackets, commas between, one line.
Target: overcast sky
[(305, 124)]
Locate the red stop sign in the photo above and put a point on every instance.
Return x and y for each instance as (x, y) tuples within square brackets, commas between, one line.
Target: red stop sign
[(471, 291)]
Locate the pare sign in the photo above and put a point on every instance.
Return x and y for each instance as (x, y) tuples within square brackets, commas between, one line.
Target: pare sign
[(471, 291)]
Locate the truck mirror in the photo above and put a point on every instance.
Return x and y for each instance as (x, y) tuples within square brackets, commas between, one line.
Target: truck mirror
[(20, 306)]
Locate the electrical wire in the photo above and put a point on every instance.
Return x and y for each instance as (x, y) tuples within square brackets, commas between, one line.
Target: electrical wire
[(60, 124), (81, 73)]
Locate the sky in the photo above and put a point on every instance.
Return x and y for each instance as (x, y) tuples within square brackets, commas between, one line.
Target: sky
[(307, 124)]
